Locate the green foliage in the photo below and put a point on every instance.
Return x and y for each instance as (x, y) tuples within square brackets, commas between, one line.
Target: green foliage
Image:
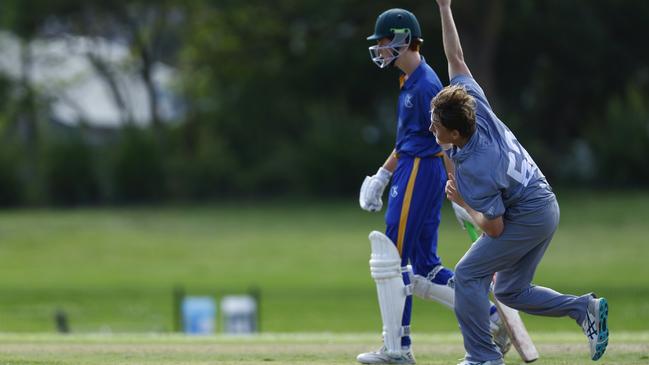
[(199, 163), (138, 167), (560, 67), (624, 147), (259, 97), (10, 190), (280, 98), (70, 173)]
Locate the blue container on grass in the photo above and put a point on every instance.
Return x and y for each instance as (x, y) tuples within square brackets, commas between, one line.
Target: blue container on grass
[(199, 314)]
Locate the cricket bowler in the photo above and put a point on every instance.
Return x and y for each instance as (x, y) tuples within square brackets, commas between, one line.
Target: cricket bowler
[(508, 197)]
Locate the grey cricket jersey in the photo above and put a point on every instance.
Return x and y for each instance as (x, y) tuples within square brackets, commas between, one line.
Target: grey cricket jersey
[(495, 175)]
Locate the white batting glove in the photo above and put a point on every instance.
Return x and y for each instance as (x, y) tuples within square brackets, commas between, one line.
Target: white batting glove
[(372, 190), (462, 215)]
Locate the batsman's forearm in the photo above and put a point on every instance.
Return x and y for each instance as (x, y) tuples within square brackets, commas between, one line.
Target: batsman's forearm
[(390, 163), (451, 40)]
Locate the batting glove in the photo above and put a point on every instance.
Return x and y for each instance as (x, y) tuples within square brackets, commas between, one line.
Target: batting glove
[(462, 215), (372, 190)]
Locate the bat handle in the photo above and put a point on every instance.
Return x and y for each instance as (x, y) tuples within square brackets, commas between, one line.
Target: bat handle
[(471, 230)]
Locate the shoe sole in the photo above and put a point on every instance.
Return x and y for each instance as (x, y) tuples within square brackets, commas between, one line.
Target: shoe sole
[(602, 336)]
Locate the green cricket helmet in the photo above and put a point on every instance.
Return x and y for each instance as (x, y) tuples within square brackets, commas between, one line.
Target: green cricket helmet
[(398, 25)]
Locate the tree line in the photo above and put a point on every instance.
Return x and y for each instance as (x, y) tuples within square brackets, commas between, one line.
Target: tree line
[(280, 97)]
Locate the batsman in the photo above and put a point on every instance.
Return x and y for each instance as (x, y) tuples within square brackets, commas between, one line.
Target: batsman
[(404, 260)]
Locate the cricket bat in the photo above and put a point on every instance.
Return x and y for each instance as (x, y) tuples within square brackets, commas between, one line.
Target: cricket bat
[(513, 323)]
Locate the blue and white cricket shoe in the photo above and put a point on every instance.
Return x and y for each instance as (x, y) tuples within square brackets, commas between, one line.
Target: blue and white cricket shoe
[(595, 326), (381, 356)]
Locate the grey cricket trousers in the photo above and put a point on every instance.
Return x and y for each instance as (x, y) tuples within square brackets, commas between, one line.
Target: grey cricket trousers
[(514, 256)]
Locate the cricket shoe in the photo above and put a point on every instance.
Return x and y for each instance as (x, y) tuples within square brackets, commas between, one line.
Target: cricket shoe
[(595, 326), (382, 356), (489, 362), (499, 333)]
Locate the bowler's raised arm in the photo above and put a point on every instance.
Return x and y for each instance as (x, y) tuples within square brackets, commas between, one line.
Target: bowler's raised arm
[(452, 46)]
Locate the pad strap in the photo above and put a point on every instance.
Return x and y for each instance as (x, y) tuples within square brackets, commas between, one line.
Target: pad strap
[(408, 289), (405, 331)]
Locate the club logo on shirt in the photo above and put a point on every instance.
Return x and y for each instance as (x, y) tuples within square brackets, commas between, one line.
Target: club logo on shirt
[(408, 101), (394, 191)]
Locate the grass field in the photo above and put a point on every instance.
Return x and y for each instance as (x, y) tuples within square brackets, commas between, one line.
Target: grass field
[(113, 270), (554, 349)]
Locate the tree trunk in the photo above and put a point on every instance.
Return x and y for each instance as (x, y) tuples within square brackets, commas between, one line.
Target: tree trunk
[(104, 71)]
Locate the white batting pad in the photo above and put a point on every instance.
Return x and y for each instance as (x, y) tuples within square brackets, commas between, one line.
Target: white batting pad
[(385, 266), (428, 290)]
